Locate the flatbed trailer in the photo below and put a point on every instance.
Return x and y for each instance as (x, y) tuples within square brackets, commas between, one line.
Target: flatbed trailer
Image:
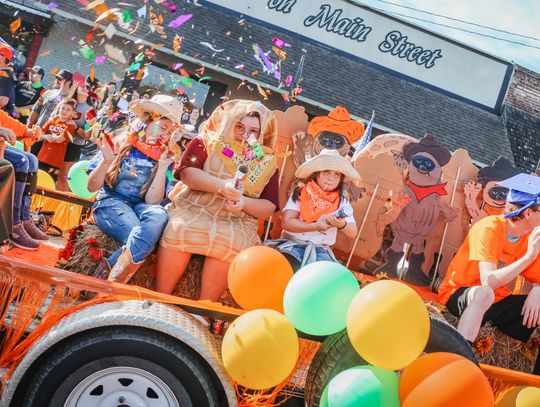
[(134, 346)]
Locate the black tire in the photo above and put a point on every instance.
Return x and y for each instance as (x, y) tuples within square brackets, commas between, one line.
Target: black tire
[(337, 354), (184, 375), (443, 337)]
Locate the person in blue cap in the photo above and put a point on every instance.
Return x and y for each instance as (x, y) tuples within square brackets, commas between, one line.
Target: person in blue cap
[(496, 251)]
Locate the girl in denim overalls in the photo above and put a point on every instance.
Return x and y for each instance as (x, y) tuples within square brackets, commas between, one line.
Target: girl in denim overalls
[(132, 185)]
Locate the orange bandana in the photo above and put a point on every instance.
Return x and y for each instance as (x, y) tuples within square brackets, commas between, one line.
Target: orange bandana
[(315, 202), (151, 151), (492, 210), (421, 192)]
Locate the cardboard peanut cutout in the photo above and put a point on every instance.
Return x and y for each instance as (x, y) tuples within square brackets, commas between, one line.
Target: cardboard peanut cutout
[(459, 169), (389, 144), (416, 221), (483, 197), (387, 204), (336, 131), (293, 120), (290, 123)]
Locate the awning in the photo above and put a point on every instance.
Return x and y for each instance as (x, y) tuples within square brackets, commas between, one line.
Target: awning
[(27, 12)]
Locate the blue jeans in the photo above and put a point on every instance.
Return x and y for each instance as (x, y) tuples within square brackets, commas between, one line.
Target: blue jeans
[(138, 227), (298, 253), (23, 163)]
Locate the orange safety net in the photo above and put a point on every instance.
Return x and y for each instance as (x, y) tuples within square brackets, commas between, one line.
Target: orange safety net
[(30, 307), (500, 388), (34, 298), (294, 384)]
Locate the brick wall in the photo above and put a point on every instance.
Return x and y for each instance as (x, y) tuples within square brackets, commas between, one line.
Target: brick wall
[(524, 134), (521, 117), (524, 91)]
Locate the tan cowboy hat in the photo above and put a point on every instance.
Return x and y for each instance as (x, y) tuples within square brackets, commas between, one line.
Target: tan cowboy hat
[(327, 160), (164, 105)]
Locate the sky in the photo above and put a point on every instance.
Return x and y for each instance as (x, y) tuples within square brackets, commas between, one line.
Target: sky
[(516, 16)]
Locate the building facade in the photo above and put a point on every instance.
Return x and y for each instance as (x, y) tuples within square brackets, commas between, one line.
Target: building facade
[(333, 52)]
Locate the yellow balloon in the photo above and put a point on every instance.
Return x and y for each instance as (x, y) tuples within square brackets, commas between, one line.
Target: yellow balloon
[(260, 349), (45, 180), (521, 396), (388, 324)]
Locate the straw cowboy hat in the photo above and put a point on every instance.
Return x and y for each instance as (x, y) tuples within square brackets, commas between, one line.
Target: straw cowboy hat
[(327, 160), (163, 105)]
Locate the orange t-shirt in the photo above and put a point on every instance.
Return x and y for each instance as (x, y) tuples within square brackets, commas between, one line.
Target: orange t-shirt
[(486, 241), (53, 153), (9, 122)]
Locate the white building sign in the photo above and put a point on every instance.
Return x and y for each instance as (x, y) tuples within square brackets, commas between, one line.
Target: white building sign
[(394, 45)]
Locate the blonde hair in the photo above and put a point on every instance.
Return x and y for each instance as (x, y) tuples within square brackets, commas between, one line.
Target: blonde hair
[(114, 169)]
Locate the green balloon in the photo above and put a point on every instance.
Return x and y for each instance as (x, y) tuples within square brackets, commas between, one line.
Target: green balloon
[(78, 180), (324, 398), (318, 296), (19, 146), (367, 386)]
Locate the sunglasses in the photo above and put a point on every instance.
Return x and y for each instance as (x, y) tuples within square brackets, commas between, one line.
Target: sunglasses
[(498, 193), (423, 163)]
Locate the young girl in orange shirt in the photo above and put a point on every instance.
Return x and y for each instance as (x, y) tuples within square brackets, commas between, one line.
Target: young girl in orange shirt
[(56, 133)]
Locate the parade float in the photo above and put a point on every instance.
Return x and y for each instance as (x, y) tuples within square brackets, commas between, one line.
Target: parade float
[(332, 334)]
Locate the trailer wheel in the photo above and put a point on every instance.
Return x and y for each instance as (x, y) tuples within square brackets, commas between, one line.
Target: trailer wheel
[(337, 354), (443, 337), (122, 367)]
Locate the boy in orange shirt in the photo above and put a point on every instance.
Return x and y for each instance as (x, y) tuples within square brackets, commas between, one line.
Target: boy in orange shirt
[(496, 251), (56, 133)]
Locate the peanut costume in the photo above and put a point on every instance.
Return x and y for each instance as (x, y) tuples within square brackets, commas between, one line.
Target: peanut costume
[(199, 222)]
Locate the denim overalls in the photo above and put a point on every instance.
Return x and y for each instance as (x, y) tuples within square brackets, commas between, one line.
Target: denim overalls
[(121, 211)]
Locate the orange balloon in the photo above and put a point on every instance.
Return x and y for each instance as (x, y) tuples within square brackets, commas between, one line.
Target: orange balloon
[(258, 277), (444, 379)]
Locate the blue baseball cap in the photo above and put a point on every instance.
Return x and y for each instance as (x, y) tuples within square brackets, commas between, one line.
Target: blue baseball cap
[(524, 189)]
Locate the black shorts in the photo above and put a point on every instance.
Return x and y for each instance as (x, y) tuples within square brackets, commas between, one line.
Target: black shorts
[(505, 314), (36, 148), (73, 153)]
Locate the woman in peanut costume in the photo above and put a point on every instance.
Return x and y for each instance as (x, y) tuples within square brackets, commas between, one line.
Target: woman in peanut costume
[(208, 215)]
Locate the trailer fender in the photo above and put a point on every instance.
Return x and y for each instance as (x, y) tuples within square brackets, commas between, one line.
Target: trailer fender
[(173, 325)]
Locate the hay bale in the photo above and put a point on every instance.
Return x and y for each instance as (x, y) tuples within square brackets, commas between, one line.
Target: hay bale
[(82, 262), (189, 286), (493, 347)]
